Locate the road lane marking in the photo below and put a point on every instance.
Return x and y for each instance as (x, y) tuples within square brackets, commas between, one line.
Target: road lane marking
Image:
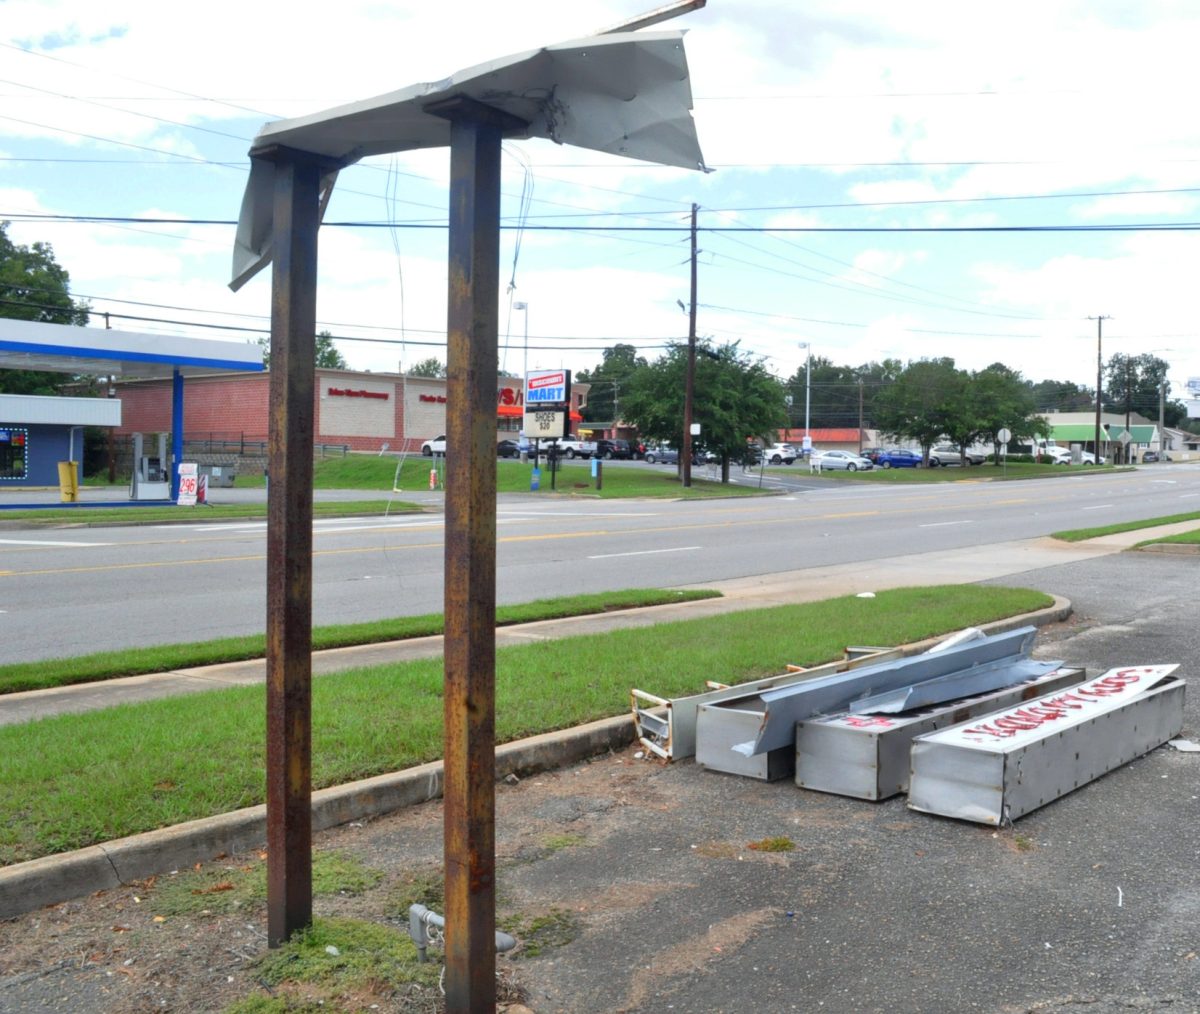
[(48, 542), (1187, 496), (943, 524), (645, 552), (1097, 507)]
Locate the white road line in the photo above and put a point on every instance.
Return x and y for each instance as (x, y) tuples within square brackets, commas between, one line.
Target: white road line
[(47, 542), (1097, 507), (1187, 496), (943, 524), (645, 552)]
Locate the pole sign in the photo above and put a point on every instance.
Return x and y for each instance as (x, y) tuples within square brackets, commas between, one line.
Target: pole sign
[(188, 484), (548, 404)]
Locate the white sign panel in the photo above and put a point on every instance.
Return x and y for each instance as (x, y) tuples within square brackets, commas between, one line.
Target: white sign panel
[(547, 404), (188, 484), (1021, 726)]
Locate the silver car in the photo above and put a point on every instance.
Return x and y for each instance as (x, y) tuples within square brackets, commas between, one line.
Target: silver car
[(846, 460)]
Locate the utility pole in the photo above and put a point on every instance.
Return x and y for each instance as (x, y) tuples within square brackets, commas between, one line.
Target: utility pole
[(860, 413), (1099, 379), (691, 367)]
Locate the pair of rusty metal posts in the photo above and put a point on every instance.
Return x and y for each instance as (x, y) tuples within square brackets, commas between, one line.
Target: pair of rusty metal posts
[(470, 556)]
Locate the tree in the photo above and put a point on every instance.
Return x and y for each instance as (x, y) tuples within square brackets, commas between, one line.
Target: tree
[(927, 401), (735, 399), (34, 286), (325, 353), (605, 401), (431, 367), (1062, 396), (1002, 399)]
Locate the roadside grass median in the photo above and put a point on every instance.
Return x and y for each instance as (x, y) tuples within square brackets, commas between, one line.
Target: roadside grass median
[(137, 514), (75, 780), (1083, 534), (58, 672), (574, 477)]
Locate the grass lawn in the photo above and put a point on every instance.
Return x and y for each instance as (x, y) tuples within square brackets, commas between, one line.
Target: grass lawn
[(59, 672), (1083, 534), (1184, 539), (368, 471), (75, 780), (205, 512)]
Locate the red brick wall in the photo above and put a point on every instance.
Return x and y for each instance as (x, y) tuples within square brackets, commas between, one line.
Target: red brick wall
[(234, 404)]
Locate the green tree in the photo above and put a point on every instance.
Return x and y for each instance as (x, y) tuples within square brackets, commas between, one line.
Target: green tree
[(734, 400), (1002, 399), (609, 380), (1062, 396), (34, 286), (431, 367), (325, 354), (927, 401), (829, 392)]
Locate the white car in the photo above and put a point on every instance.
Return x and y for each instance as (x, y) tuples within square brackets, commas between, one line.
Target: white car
[(840, 460), (435, 446), (780, 454)]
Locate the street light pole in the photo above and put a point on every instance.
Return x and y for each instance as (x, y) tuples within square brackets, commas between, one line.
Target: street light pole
[(1099, 378), (524, 307), (807, 346)]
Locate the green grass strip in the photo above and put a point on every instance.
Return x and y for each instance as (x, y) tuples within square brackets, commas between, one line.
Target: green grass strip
[(368, 471), (74, 780), (1083, 534), (107, 665), (1183, 539), (201, 513)]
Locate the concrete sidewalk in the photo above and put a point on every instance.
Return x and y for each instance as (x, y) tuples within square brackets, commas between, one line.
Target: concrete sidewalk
[(956, 566)]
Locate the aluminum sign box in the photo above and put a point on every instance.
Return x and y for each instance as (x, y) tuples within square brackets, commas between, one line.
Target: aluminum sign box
[(866, 756), (1005, 765)]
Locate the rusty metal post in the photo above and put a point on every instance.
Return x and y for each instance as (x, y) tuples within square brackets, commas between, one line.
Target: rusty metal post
[(470, 581), (289, 546)]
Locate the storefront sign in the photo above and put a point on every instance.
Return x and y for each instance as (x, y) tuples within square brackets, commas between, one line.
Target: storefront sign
[(346, 392)]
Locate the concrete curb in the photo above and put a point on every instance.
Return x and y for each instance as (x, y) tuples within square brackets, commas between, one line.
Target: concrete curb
[(54, 879)]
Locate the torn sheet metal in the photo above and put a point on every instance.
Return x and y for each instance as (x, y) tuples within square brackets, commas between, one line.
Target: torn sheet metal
[(627, 94), (784, 707), (1005, 765), (867, 756), (721, 726), (667, 728), (980, 679)]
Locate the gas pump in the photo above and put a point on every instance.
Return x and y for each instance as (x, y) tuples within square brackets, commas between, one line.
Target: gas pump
[(151, 480)]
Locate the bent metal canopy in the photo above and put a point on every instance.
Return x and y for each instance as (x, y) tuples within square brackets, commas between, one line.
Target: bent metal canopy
[(626, 93)]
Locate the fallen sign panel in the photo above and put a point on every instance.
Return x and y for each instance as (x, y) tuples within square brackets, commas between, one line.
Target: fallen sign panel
[(867, 756), (1007, 764)]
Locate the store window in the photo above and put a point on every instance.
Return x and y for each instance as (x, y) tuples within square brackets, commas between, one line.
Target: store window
[(14, 453)]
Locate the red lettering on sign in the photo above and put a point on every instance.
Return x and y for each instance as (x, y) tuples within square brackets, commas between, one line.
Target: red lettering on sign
[(346, 392), (866, 722), (509, 396), (439, 399)]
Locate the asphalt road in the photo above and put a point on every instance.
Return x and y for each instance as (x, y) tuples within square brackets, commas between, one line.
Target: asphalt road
[(75, 590)]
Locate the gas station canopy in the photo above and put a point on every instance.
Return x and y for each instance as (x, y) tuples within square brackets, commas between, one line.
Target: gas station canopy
[(63, 348)]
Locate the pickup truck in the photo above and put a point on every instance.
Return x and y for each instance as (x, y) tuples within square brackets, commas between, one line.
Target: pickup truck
[(571, 448)]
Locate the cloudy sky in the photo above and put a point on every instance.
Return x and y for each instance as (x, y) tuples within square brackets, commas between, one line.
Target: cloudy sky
[(833, 126)]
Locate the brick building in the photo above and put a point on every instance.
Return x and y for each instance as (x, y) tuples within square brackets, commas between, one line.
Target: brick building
[(362, 411)]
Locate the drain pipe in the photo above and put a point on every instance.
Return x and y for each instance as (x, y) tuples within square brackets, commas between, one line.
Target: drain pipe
[(420, 917)]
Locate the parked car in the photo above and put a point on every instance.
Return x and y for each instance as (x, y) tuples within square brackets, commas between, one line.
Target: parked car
[(897, 457), (435, 446), (872, 454), (951, 454), (663, 453), (1152, 456), (781, 454), (1055, 455), (1088, 458), (610, 449), (508, 449), (846, 460)]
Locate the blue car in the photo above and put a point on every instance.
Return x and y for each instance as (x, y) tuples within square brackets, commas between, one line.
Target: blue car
[(896, 457)]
